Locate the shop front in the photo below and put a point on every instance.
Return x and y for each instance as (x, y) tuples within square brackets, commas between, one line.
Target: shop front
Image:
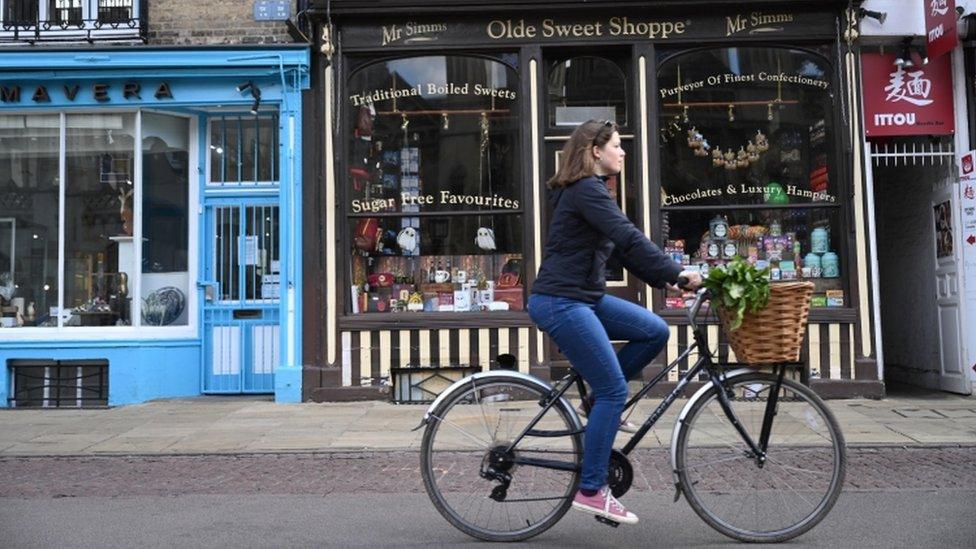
[(918, 122), (149, 220), (444, 129)]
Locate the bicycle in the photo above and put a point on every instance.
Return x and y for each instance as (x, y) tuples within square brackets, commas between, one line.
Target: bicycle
[(758, 456)]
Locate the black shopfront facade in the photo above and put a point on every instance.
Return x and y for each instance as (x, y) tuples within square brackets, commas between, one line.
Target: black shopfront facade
[(435, 125)]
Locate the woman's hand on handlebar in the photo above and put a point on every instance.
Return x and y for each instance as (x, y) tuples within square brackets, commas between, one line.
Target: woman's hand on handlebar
[(687, 280)]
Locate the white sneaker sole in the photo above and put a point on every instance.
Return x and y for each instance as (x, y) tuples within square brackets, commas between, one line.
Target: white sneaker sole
[(608, 516)]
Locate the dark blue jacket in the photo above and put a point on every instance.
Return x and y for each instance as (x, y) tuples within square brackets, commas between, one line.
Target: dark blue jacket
[(586, 225)]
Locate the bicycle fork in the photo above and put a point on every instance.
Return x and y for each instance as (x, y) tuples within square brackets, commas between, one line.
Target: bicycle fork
[(758, 451)]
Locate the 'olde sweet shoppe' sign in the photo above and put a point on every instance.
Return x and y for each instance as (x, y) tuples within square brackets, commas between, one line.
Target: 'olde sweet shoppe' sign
[(644, 25)]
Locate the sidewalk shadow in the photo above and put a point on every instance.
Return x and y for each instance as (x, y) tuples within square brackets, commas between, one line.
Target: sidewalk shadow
[(899, 390)]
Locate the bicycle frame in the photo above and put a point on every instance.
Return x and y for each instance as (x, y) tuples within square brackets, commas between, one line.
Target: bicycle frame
[(704, 362)]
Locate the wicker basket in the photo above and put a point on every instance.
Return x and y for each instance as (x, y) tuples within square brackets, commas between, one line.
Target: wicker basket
[(773, 334)]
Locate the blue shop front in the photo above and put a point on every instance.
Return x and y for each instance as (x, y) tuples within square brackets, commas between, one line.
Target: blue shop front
[(150, 224)]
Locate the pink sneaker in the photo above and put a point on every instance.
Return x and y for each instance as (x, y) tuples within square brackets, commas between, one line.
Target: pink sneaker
[(625, 425), (603, 504)]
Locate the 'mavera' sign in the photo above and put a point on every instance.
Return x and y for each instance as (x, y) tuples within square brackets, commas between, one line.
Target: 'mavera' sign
[(900, 101), (14, 93)]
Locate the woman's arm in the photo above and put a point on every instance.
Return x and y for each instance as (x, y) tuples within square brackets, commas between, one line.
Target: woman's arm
[(638, 254)]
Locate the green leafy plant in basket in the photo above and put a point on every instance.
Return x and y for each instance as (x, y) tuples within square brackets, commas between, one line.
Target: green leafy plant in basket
[(738, 287)]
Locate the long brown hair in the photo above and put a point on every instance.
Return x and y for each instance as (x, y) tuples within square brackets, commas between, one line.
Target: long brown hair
[(577, 161)]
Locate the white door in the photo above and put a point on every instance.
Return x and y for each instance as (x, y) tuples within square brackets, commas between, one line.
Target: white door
[(952, 373)]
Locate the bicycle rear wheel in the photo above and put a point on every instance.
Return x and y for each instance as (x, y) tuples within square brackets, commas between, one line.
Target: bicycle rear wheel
[(727, 486), (463, 462)]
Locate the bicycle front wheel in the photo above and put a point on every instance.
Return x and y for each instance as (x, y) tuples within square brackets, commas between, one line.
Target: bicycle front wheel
[(736, 493), (484, 490)]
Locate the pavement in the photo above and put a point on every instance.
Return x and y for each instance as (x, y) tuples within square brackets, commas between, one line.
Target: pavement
[(255, 424)]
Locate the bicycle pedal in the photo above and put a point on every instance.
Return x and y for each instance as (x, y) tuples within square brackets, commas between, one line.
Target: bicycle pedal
[(607, 521)]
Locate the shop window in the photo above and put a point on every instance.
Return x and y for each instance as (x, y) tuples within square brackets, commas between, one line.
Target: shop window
[(244, 150), (586, 88), (165, 219), (434, 197), (99, 190), (747, 164), (98, 197), (29, 205)]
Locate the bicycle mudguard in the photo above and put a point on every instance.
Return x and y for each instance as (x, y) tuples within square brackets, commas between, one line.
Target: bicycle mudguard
[(679, 423), (499, 374)]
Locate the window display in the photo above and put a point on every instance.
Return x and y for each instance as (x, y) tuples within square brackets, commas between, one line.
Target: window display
[(434, 198), (29, 204), (100, 188), (746, 140)]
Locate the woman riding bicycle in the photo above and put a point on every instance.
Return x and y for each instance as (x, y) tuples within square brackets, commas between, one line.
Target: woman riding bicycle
[(569, 300)]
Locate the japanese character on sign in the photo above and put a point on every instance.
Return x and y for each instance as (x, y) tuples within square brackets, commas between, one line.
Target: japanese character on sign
[(939, 7), (915, 91)]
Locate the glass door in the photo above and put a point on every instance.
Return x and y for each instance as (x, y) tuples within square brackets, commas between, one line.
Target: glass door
[(241, 305)]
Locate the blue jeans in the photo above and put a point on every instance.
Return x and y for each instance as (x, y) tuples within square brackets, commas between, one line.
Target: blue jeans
[(583, 332)]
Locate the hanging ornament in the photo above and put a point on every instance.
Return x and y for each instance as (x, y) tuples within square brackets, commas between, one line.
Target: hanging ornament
[(408, 240), (684, 117), (742, 158), (404, 122), (444, 122), (762, 143), (730, 162), (485, 239), (703, 149), (483, 123), (769, 112), (717, 159), (731, 114)]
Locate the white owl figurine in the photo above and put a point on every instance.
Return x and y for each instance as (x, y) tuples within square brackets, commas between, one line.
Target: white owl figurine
[(408, 239), (485, 239)]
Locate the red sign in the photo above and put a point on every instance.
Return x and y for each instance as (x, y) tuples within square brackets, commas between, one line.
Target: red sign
[(940, 27), (967, 167), (906, 101)]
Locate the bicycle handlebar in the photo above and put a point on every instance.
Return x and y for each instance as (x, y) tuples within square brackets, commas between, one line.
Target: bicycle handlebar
[(700, 297)]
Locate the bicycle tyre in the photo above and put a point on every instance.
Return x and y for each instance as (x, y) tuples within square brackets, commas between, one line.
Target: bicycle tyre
[(705, 493), (437, 485)]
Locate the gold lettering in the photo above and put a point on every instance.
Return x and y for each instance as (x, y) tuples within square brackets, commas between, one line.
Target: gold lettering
[(391, 34), (732, 26)]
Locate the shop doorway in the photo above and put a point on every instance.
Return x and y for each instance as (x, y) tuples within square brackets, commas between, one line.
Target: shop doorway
[(241, 336), (579, 87), (917, 222)]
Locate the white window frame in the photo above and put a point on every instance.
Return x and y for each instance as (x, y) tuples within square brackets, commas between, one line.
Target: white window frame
[(136, 330), (271, 186)]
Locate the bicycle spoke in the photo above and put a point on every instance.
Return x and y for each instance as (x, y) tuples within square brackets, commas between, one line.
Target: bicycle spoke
[(460, 430), (795, 487), (536, 496)]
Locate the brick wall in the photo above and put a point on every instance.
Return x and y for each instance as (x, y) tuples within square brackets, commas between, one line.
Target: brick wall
[(202, 22)]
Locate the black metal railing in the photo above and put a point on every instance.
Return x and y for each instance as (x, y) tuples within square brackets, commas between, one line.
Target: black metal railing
[(73, 20), (58, 383)]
